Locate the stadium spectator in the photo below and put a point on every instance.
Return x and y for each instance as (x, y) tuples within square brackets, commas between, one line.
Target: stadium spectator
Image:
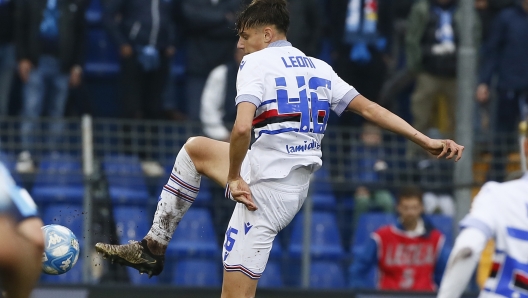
[(21, 239), (368, 157), (361, 32), (50, 38), (432, 42), (209, 34), (505, 56), (366, 200), (145, 34), (409, 255), (218, 96), (306, 25), (7, 52)]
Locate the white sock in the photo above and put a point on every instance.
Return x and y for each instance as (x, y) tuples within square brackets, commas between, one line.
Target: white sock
[(175, 199)]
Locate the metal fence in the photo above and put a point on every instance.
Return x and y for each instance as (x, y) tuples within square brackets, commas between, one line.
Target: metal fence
[(102, 177)]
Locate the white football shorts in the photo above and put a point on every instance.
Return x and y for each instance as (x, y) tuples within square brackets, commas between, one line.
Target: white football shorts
[(250, 234)]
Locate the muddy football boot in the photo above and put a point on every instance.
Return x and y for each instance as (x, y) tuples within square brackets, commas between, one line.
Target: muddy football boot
[(134, 254)]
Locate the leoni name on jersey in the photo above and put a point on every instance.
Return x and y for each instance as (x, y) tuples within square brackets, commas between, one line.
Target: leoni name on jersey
[(298, 61)]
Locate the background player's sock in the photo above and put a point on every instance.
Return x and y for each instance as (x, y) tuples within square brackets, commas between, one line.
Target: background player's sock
[(175, 199)]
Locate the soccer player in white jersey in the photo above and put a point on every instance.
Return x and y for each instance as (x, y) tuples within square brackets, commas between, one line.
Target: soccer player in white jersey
[(499, 211), (286, 97), (21, 239)]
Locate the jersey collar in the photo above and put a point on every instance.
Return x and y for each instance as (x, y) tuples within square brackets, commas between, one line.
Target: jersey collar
[(280, 43)]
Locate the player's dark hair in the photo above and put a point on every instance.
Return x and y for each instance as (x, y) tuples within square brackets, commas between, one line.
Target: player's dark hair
[(264, 12), (409, 192)]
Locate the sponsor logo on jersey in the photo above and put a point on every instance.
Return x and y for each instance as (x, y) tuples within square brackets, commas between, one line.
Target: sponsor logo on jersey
[(313, 145)]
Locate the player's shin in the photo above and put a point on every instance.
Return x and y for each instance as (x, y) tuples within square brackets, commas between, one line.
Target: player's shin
[(175, 199)]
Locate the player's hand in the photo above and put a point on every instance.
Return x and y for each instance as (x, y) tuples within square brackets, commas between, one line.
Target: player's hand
[(447, 148), (24, 68), (75, 76), (482, 93), (239, 191), (170, 51), (126, 50)]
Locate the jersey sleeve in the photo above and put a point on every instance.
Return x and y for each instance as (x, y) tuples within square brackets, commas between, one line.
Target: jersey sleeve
[(250, 82), (342, 94), (483, 211)]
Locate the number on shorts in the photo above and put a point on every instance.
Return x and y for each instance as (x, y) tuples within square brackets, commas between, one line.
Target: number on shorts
[(230, 241)]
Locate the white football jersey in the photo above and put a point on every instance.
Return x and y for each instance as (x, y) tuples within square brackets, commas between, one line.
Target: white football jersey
[(294, 95), (500, 210)]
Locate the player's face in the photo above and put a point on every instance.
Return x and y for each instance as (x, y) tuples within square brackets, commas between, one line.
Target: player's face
[(252, 40), (410, 209)]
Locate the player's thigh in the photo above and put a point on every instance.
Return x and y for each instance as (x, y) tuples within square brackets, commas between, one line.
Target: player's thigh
[(238, 285), (210, 157), (7, 246)]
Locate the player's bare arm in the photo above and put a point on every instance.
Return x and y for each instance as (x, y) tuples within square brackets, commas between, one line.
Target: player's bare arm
[(240, 139), (389, 121)]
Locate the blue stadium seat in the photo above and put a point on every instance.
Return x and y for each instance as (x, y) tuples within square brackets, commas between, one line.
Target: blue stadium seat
[(326, 275), (320, 183), (194, 236), (445, 225), (94, 13), (126, 183), (272, 276), (324, 201), (368, 223), (73, 276), (197, 273), (325, 240), (276, 250), (59, 179), (132, 223), (122, 165), (128, 190), (68, 215)]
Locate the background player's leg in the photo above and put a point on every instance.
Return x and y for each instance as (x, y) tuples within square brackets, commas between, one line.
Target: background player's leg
[(238, 285), (21, 260)]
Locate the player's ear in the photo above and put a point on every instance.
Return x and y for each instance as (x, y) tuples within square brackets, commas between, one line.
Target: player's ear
[(268, 34)]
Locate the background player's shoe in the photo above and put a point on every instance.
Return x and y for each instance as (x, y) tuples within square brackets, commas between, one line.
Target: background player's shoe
[(134, 254)]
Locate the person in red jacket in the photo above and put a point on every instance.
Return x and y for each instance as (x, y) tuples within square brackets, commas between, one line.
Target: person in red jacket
[(410, 255)]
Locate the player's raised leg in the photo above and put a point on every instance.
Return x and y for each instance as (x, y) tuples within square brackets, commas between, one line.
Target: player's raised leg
[(199, 156)]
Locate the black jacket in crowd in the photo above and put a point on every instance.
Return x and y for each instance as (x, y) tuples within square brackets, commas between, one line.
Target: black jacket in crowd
[(72, 28), (7, 22), (209, 33), (141, 22)]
